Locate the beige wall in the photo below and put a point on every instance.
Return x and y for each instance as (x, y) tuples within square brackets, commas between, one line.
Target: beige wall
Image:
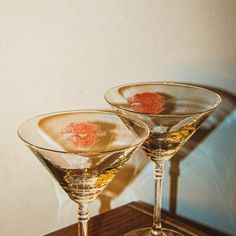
[(59, 55)]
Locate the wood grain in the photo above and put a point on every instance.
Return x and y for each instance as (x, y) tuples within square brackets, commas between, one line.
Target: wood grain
[(134, 215)]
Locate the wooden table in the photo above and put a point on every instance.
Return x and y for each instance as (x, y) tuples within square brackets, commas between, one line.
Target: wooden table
[(132, 216)]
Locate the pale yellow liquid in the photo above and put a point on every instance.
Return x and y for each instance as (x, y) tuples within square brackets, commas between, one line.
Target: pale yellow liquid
[(84, 171), (170, 128), (84, 184), (162, 146)]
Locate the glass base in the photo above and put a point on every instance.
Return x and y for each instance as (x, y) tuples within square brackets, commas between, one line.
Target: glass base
[(147, 232)]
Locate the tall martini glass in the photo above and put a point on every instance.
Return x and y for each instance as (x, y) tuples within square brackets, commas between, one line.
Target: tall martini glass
[(83, 150), (173, 112)]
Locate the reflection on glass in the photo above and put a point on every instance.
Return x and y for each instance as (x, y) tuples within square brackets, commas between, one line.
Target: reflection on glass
[(173, 113), (83, 150)]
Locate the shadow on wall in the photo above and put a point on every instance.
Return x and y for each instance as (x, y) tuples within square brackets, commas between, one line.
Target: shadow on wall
[(129, 173), (125, 176), (226, 107)]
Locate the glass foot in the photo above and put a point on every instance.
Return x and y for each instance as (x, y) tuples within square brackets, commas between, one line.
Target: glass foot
[(147, 232)]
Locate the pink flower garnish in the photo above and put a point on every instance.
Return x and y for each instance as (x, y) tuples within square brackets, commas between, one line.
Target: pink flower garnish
[(82, 134), (147, 102)]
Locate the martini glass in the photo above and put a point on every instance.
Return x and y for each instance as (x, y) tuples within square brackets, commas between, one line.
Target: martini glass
[(83, 150), (173, 112)]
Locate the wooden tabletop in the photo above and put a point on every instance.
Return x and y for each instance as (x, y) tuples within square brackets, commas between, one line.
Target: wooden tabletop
[(134, 215)]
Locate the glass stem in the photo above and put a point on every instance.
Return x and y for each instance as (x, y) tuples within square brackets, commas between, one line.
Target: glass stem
[(158, 180), (83, 217)]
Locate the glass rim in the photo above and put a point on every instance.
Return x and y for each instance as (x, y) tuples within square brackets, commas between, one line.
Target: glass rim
[(177, 84), (100, 111)]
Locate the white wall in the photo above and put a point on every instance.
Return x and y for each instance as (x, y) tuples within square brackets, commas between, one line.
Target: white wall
[(59, 55)]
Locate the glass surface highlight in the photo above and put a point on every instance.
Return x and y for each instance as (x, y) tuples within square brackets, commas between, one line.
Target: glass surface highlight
[(173, 112), (83, 150)]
